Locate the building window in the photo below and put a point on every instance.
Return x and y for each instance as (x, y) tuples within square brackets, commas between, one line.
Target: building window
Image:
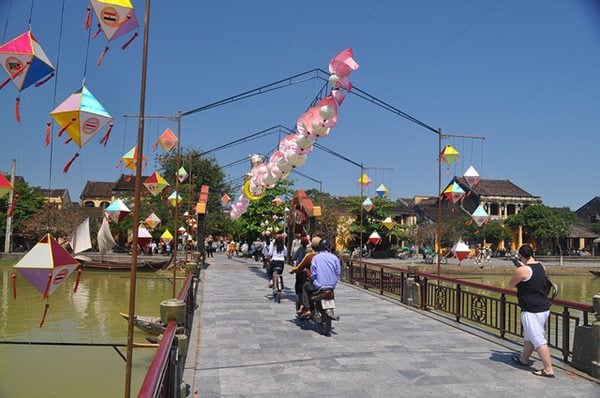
[(88, 203)]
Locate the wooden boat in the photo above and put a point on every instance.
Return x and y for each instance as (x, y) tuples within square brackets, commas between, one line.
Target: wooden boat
[(596, 273), (111, 257), (148, 324)]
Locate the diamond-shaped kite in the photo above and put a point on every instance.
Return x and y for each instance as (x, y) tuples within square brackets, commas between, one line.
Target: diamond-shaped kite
[(117, 210), (449, 155), (471, 176), (367, 204), (182, 174), (374, 238), (364, 180), (144, 237), (453, 193), (81, 116), (225, 199), (155, 183), (152, 221), (382, 191), (166, 236), (130, 159), (167, 141), (5, 186), (46, 265), (461, 250), (277, 201), (115, 18), (25, 62), (174, 199), (480, 216), (388, 223)]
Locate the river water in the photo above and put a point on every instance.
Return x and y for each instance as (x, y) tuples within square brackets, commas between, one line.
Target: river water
[(68, 364)]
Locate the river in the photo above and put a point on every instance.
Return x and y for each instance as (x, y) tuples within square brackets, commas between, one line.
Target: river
[(70, 365)]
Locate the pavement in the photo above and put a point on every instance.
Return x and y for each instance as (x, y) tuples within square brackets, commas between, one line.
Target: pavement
[(244, 344)]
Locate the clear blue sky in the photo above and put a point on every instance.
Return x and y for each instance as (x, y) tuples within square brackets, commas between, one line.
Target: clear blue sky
[(524, 74)]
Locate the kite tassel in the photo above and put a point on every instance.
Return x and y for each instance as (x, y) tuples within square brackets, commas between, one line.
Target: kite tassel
[(97, 32), (104, 139), (68, 140), (78, 279), (50, 76), (70, 162), (65, 127), (45, 296), (102, 55), (4, 83), (154, 146), (18, 109), (13, 205), (88, 19), (48, 133), (14, 286), (44, 316), (128, 42)]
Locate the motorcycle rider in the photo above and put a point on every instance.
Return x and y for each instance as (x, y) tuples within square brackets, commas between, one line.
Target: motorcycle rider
[(302, 271), (325, 269)]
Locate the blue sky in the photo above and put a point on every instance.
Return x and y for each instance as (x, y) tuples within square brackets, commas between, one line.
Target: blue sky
[(524, 74)]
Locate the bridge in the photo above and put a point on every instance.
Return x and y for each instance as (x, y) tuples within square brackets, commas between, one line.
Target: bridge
[(243, 344)]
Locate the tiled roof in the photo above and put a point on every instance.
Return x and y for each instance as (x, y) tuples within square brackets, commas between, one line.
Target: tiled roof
[(590, 211), (500, 188), (97, 189), (578, 231), (126, 183), (52, 193)]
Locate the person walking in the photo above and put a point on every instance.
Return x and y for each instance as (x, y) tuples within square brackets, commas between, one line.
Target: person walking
[(532, 291)]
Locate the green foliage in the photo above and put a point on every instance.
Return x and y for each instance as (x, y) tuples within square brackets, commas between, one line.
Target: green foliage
[(493, 232), (372, 221), (28, 203), (595, 228)]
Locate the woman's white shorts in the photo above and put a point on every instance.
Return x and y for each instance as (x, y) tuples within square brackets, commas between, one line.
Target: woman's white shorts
[(534, 327)]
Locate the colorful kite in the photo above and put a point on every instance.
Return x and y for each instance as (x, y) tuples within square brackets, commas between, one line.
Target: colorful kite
[(152, 221), (5, 186), (471, 176), (130, 159), (81, 116), (382, 191), (117, 210), (155, 183), (115, 18), (480, 216), (225, 199), (277, 201), (182, 174), (144, 237), (367, 204), (461, 251), (364, 180), (166, 237), (388, 223), (175, 199), (374, 238), (449, 155), (167, 141), (453, 193), (25, 62)]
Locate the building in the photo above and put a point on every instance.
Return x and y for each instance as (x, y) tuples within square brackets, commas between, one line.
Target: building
[(58, 198), (97, 194)]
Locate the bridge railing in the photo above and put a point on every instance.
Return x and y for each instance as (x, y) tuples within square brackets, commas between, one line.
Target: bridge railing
[(165, 374), (490, 308)]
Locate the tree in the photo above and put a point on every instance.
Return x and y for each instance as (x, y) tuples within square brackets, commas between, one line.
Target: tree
[(493, 232), (543, 223), (202, 170), (27, 204)]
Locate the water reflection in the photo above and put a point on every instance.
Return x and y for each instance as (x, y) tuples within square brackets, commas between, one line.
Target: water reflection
[(90, 316)]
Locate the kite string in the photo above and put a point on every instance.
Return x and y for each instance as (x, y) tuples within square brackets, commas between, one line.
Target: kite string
[(7, 19), (30, 14), (87, 51)]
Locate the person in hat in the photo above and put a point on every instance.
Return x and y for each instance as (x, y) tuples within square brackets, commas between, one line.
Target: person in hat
[(302, 271)]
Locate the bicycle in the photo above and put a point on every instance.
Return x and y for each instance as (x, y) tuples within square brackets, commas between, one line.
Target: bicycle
[(278, 288)]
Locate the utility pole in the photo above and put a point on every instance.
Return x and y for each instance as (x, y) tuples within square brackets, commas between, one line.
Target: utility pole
[(11, 194)]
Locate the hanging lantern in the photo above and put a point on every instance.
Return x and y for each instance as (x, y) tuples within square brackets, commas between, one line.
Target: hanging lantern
[(167, 141), (382, 191), (152, 221), (364, 180), (277, 201), (480, 216), (454, 193), (225, 199), (471, 176), (174, 199), (367, 204), (166, 237), (374, 238), (117, 210), (449, 155), (388, 223), (182, 174), (461, 250), (155, 184)]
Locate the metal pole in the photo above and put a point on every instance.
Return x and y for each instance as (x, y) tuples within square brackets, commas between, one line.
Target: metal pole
[(11, 194), (438, 242), (136, 207), (177, 205), (362, 188)]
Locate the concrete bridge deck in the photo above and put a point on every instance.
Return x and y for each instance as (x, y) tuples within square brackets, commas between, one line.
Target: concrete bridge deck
[(246, 345)]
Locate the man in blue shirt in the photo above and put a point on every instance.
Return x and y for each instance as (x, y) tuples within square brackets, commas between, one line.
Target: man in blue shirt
[(325, 269)]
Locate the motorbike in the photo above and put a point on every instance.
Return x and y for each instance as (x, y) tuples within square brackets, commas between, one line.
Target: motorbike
[(322, 309)]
